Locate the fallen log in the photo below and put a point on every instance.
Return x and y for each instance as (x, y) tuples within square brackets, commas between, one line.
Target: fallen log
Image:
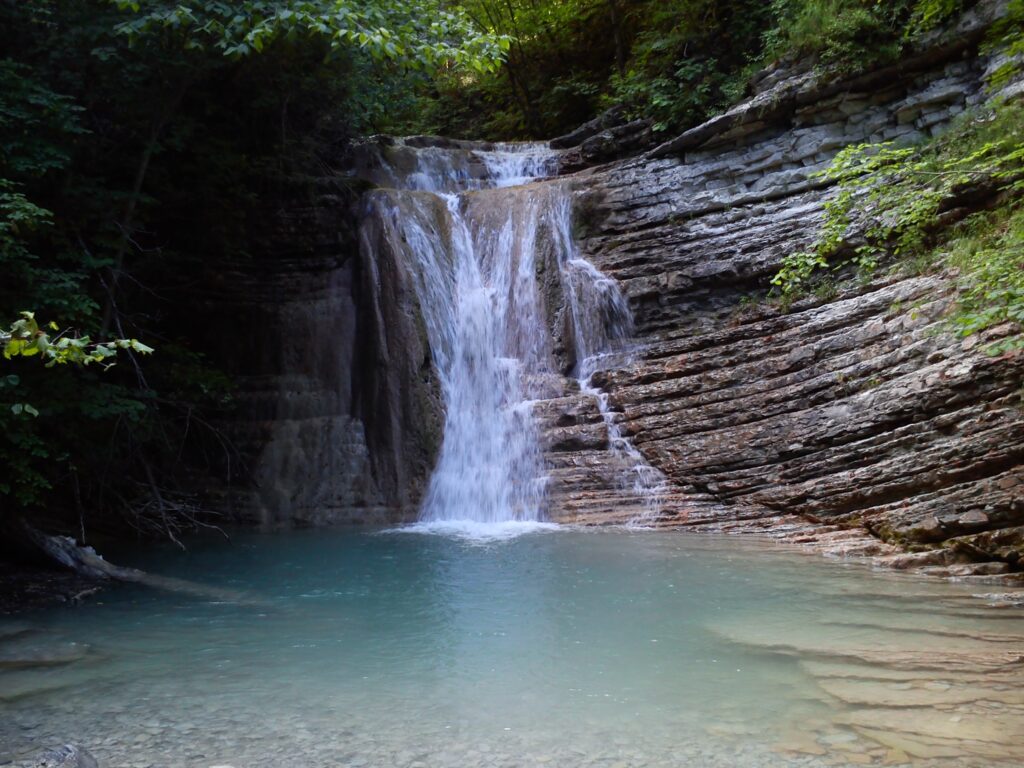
[(66, 553)]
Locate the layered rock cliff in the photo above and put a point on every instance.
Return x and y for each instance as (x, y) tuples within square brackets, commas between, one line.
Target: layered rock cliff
[(860, 413), (337, 414), (858, 420)]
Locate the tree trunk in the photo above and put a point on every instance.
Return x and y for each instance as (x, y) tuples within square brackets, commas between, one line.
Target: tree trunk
[(620, 48)]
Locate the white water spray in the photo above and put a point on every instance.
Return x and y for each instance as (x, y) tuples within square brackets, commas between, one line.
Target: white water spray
[(477, 235), (602, 332)]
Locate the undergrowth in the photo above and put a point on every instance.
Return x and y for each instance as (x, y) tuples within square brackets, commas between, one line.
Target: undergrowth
[(907, 208), (989, 252)]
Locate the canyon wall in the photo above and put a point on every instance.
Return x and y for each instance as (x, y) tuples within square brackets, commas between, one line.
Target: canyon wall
[(860, 412), (336, 416), (858, 419)]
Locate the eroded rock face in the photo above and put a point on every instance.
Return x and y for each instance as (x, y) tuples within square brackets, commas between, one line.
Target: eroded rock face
[(860, 412), (858, 423), (400, 393), (337, 414)]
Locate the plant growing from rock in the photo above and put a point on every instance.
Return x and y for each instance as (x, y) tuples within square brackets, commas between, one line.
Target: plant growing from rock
[(897, 204)]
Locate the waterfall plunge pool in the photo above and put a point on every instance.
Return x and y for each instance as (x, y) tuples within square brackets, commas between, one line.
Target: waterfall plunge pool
[(556, 648)]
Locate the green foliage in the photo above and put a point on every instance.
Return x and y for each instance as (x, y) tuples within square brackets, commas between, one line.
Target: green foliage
[(140, 143), (928, 14), (420, 33), (676, 62), (989, 252), (558, 56), (19, 217), (23, 449), (796, 271), (26, 339), (843, 34), (891, 203), (1007, 39), (35, 122), (847, 36), (690, 60)]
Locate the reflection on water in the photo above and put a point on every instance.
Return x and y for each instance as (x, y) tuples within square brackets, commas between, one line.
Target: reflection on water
[(566, 648)]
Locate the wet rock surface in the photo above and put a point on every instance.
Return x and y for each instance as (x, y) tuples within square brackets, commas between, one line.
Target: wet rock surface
[(858, 423), (326, 368), (67, 756)]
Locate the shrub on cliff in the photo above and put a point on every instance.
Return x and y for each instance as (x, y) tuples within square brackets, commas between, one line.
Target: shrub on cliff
[(675, 62), (907, 206)]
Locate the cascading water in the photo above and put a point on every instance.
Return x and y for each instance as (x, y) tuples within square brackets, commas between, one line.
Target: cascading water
[(484, 246), (602, 329)]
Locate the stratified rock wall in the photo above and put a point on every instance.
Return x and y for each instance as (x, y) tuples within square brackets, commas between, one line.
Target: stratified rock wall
[(859, 411), (400, 396), (335, 419), (858, 416)]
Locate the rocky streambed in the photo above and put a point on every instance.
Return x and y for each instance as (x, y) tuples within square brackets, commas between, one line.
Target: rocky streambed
[(579, 648)]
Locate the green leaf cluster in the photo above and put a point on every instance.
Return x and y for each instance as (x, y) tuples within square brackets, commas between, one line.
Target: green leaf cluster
[(846, 36), (422, 33), (988, 249), (900, 205), (26, 339), (690, 60)]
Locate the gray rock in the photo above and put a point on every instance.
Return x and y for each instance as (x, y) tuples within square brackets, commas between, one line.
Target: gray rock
[(67, 756), (857, 411)]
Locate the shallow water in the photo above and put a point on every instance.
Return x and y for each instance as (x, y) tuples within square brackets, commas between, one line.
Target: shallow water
[(554, 648)]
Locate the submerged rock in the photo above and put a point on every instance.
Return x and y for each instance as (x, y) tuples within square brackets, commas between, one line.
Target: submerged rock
[(67, 756)]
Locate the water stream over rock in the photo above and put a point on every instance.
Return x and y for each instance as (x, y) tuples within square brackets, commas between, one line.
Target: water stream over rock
[(489, 244)]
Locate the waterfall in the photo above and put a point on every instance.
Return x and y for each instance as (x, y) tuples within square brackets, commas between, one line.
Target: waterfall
[(487, 248), (602, 330)]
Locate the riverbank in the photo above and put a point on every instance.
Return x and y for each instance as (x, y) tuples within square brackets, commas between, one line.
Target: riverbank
[(27, 588)]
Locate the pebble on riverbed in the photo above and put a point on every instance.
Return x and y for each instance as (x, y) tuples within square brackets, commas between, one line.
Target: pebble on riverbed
[(67, 756)]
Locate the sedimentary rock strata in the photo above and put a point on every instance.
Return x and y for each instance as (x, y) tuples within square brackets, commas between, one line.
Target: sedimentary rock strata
[(859, 412)]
